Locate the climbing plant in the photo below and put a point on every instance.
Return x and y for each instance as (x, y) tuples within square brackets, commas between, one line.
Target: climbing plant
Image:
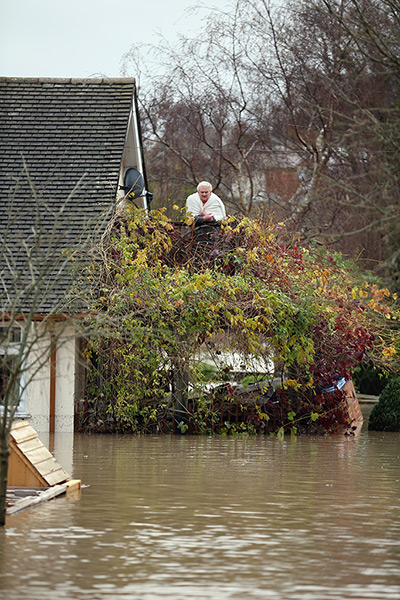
[(247, 288)]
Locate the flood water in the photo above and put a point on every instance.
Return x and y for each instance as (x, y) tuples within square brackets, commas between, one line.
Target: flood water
[(311, 518)]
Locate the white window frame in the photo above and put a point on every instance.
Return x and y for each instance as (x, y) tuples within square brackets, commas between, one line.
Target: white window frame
[(12, 349)]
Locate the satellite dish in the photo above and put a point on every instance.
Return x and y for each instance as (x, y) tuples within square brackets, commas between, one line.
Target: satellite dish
[(133, 183)]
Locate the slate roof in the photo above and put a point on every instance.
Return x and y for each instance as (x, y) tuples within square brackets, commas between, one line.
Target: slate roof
[(61, 146)]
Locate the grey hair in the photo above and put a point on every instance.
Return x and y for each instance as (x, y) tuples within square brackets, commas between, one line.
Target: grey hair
[(204, 184)]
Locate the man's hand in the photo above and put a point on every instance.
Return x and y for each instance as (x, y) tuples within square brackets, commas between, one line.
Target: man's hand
[(207, 217)]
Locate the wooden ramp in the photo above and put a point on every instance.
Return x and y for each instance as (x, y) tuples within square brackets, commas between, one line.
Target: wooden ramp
[(33, 473), (30, 462)]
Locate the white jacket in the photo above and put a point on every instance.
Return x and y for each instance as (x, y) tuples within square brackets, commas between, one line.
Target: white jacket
[(214, 205)]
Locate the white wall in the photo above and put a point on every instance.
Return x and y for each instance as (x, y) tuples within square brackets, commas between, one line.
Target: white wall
[(65, 382), (38, 387)]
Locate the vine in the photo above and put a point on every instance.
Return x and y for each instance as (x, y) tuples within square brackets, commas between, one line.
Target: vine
[(246, 288)]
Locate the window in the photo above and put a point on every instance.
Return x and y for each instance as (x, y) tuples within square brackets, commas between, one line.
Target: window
[(9, 350)]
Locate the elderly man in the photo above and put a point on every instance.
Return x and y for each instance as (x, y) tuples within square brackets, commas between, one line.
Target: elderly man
[(204, 205)]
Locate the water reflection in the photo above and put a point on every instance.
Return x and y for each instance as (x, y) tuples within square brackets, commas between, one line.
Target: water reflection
[(178, 517)]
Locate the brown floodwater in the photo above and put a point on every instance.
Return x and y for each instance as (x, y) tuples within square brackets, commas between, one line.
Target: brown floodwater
[(312, 518)]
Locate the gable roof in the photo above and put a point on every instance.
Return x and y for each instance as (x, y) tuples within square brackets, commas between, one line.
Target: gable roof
[(61, 145)]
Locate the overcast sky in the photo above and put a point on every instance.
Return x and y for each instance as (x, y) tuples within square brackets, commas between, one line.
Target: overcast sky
[(83, 38)]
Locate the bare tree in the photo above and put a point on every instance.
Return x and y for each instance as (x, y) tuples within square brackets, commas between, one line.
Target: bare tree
[(306, 85), (198, 117), (39, 308), (331, 69), (374, 131)]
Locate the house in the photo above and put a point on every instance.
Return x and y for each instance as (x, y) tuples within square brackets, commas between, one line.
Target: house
[(69, 149)]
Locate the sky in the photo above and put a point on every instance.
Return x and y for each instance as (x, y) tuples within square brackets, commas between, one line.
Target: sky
[(87, 38)]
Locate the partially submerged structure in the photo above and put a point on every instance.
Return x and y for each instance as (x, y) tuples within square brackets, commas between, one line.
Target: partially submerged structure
[(70, 148), (34, 476)]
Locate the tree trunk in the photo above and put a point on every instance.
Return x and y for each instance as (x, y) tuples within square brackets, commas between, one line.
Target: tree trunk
[(4, 454), (180, 393)]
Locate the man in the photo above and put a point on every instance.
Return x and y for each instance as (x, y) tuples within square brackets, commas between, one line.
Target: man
[(204, 205)]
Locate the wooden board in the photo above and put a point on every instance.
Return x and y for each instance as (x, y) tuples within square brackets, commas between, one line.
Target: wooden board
[(353, 406), (20, 498), (36, 498)]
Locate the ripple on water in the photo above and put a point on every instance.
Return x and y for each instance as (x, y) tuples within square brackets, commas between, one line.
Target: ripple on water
[(311, 519)]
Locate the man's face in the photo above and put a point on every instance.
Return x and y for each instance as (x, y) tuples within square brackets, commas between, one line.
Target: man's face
[(204, 194)]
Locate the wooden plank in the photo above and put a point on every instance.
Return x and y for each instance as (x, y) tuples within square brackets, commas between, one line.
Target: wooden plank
[(38, 455), (18, 498), (23, 434), (73, 485), (21, 504), (19, 425), (29, 501), (55, 477), (19, 439), (18, 488), (22, 492), (31, 444), (46, 466)]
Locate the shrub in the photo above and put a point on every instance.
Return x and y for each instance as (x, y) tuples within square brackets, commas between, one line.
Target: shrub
[(385, 416), (370, 379), (252, 290)]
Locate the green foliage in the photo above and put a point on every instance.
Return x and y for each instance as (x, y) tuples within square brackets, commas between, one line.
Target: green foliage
[(183, 427), (205, 372), (385, 415), (253, 291), (370, 379), (251, 379)]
